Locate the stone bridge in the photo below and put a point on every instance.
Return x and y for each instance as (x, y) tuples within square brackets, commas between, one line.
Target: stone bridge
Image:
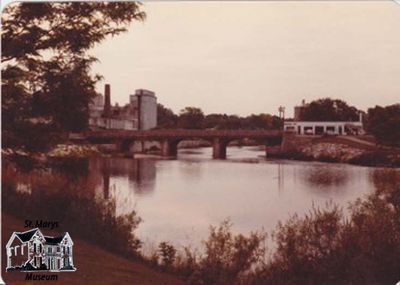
[(169, 139)]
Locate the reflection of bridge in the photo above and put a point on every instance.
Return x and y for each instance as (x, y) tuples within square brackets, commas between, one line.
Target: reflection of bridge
[(169, 139)]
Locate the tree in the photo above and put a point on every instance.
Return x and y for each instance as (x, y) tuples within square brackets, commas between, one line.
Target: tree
[(214, 121), (263, 121), (166, 117), (191, 118), (329, 110), (232, 122), (384, 124), (45, 65), (167, 253)]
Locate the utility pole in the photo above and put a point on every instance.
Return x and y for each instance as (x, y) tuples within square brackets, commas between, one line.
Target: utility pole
[(281, 110)]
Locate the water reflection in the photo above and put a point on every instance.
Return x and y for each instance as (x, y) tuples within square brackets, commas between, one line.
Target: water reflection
[(179, 199), (141, 173), (327, 178), (51, 196), (120, 179)]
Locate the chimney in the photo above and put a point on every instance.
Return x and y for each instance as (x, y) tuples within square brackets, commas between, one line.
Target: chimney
[(107, 101)]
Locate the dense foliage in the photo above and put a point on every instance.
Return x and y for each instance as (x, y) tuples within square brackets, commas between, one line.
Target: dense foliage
[(191, 118), (46, 76), (329, 110), (194, 118), (384, 124), (166, 117)]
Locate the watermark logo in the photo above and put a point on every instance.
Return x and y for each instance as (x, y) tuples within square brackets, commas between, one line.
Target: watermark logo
[(31, 251)]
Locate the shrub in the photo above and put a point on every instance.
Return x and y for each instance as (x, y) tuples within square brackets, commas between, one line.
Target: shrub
[(167, 252), (228, 257), (325, 248)]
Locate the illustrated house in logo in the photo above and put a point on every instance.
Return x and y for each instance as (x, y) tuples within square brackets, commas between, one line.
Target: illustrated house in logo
[(31, 251)]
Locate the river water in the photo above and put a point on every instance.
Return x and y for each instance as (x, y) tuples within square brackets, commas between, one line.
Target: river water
[(179, 199)]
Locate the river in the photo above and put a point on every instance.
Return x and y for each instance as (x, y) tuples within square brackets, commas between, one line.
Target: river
[(178, 199)]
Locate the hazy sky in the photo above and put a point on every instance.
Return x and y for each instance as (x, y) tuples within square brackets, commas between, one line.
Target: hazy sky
[(251, 57)]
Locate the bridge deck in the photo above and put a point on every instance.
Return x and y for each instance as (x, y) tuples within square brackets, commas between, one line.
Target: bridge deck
[(184, 133)]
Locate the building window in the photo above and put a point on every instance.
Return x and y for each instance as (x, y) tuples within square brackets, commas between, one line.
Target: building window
[(308, 130), (319, 130), (34, 247), (49, 250)]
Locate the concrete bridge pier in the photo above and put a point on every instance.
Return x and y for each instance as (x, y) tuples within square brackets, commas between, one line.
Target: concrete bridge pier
[(124, 146), (169, 148), (219, 148), (266, 147)]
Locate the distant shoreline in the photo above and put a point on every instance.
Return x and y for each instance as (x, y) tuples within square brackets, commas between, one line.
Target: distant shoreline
[(340, 149), (322, 149)]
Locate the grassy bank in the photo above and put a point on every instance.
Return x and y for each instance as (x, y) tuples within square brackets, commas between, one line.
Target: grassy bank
[(95, 265)]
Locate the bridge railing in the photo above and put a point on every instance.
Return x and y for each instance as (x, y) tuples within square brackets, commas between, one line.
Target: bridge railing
[(183, 133)]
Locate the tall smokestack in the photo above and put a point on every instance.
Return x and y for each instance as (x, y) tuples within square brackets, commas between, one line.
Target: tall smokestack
[(107, 101)]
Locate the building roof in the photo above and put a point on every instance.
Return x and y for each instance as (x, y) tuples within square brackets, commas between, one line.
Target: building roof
[(350, 123), (144, 92), (26, 236), (54, 240)]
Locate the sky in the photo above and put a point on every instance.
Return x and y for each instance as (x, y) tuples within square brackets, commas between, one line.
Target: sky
[(252, 57)]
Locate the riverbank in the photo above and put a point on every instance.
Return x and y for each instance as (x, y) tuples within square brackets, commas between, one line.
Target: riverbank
[(337, 149), (95, 266), (270, 190), (340, 149)]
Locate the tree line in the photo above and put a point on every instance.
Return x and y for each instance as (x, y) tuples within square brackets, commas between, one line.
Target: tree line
[(47, 82), (381, 122), (194, 118)]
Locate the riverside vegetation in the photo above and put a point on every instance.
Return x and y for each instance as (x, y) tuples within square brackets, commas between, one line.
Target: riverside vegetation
[(360, 245)]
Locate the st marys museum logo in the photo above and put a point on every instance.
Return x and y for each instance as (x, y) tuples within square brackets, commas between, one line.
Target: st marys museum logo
[(33, 251)]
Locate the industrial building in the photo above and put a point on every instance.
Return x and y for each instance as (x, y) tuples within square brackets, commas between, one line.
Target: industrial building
[(139, 114)]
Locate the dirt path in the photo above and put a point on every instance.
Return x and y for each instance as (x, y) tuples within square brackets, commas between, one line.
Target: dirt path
[(94, 265)]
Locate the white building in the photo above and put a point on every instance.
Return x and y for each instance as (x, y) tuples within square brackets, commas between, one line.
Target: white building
[(320, 128)]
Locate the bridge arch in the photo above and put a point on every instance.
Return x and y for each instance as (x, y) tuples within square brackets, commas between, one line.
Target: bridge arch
[(169, 147), (169, 139)]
